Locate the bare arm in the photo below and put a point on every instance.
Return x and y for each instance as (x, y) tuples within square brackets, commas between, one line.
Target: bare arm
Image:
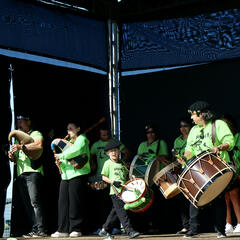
[(36, 145), (106, 179)]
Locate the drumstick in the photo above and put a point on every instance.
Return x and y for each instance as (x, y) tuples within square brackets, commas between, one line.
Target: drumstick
[(131, 189)]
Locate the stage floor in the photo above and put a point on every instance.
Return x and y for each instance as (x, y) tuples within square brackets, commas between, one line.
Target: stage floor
[(204, 236)]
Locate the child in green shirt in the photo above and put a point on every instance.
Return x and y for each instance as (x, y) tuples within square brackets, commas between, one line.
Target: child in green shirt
[(115, 173)]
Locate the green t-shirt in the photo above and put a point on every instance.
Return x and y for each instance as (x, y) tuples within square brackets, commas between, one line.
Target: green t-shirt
[(179, 145), (151, 149), (115, 172), (200, 139), (98, 150), (23, 161), (144, 148), (80, 146)]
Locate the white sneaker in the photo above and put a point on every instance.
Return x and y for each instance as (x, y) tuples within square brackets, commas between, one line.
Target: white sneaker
[(75, 234), (59, 235), (237, 229), (228, 228)]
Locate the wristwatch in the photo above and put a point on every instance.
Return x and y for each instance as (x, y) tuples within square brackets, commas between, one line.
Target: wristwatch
[(24, 147)]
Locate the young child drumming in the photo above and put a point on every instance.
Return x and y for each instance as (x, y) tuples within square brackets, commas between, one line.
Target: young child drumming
[(115, 173)]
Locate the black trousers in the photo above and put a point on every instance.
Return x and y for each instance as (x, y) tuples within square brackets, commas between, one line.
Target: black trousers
[(30, 188), (183, 209), (217, 213), (71, 204), (118, 213)]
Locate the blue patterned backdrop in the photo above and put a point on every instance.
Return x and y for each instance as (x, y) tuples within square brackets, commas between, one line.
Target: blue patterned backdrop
[(180, 41)]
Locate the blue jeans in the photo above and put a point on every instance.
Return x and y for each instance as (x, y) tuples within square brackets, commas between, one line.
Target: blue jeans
[(30, 184)]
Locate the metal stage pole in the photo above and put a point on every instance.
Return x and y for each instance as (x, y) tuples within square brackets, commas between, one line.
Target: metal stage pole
[(113, 78)]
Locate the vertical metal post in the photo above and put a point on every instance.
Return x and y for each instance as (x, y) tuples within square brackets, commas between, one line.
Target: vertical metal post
[(113, 77)]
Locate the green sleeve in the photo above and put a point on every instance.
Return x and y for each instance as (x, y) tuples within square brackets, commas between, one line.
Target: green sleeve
[(105, 170), (224, 134), (163, 149), (78, 148), (36, 135)]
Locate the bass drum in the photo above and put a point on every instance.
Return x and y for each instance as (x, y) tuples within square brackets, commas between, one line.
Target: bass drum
[(145, 167), (204, 178)]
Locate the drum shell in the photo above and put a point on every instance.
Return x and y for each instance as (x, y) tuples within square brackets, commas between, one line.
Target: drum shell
[(166, 180), (147, 193), (140, 169), (204, 178)]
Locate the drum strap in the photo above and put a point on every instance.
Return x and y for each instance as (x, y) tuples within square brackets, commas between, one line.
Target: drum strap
[(213, 133)]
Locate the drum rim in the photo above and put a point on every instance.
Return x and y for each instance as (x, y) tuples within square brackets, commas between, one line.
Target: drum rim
[(165, 168), (131, 180), (147, 173), (132, 164), (147, 206), (193, 161)]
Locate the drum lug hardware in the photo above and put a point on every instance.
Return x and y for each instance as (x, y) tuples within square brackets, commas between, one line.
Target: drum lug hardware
[(210, 162), (186, 190), (201, 170), (191, 181)]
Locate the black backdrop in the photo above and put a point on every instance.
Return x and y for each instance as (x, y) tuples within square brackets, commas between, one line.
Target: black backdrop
[(163, 97)]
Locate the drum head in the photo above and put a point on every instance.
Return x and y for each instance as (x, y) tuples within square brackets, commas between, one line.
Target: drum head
[(134, 190), (152, 169), (138, 166), (215, 189)]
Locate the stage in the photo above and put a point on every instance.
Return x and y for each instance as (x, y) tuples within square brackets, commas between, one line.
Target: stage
[(204, 236)]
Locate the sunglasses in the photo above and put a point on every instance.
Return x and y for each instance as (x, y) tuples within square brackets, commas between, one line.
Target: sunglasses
[(150, 132), (184, 125)]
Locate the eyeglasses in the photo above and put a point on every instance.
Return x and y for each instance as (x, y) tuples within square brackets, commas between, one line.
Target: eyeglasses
[(150, 132), (184, 125)]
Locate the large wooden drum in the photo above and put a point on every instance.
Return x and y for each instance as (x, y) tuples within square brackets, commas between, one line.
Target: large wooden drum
[(204, 178)]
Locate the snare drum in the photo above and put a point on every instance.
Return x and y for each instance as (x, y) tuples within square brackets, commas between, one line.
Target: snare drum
[(204, 178), (166, 179), (96, 182), (145, 167), (138, 197)]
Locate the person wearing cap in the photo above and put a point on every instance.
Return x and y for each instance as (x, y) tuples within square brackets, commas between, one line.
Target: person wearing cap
[(30, 177), (199, 140), (154, 145), (71, 201), (115, 173), (98, 158), (179, 150)]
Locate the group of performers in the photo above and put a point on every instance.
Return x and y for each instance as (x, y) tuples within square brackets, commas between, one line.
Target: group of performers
[(105, 168)]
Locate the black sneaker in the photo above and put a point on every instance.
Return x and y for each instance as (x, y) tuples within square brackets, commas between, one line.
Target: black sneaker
[(104, 233), (133, 234), (221, 235), (191, 234), (39, 235), (29, 235)]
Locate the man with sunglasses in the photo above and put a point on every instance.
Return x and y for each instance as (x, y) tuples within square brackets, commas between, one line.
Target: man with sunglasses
[(154, 145), (200, 139), (29, 177)]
